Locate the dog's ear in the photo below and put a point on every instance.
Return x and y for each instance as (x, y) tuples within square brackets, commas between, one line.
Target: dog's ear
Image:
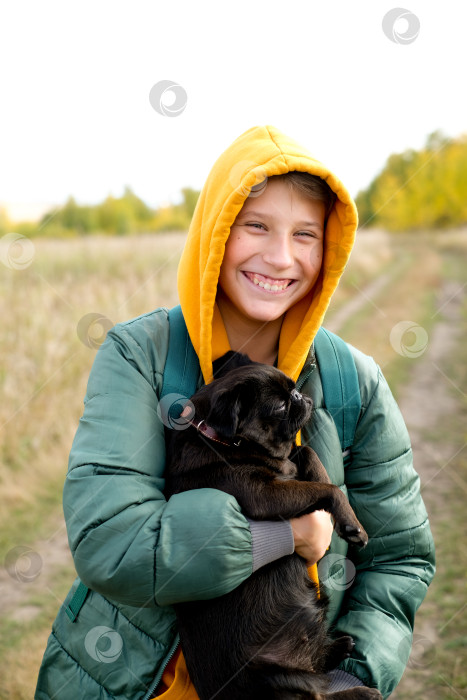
[(224, 411), (231, 360)]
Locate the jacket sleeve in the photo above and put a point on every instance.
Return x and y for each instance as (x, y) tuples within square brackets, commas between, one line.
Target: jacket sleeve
[(127, 541), (395, 569)]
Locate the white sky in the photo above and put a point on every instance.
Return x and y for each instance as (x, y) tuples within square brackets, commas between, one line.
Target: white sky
[(75, 116)]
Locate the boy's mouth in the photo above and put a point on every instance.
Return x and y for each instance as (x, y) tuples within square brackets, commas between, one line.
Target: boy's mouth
[(268, 283)]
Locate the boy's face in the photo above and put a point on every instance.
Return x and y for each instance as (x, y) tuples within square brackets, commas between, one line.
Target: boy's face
[(273, 254)]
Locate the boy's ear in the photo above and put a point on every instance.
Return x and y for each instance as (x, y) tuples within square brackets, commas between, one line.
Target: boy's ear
[(231, 360), (224, 412)]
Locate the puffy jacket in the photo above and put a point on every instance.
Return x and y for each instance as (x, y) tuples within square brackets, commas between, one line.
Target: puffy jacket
[(122, 530), (140, 554)]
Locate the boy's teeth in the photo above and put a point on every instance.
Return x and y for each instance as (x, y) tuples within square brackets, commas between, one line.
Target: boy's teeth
[(270, 287)]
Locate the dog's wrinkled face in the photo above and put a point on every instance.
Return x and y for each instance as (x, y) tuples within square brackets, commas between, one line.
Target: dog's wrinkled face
[(255, 401)]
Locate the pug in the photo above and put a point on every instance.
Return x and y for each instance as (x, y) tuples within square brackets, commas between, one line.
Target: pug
[(266, 639)]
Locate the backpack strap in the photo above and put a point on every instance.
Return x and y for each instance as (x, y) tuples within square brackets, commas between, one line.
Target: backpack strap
[(181, 369), (180, 377), (340, 385)]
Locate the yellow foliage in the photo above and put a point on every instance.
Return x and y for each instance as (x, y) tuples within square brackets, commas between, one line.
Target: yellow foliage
[(416, 190)]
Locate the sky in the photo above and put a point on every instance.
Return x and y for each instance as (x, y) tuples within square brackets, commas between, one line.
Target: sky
[(351, 81)]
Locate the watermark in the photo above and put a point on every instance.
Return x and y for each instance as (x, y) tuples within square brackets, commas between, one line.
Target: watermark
[(336, 572), (401, 26), (176, 411), (418, 652), (168, 98), (408, 339), (23, 563), (239, 173), (103, 644), (92, 329), (334, 258), (16, 251)]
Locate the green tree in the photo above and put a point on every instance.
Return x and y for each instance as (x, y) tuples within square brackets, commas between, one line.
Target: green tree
[(419, 189), (190, 198), (115, 215), (141, 212)]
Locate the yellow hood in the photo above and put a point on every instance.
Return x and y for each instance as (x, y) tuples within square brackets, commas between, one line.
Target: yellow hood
[(260, 152)]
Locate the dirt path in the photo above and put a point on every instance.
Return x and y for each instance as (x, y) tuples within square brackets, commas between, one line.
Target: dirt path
[(359, 301), (423, 408)]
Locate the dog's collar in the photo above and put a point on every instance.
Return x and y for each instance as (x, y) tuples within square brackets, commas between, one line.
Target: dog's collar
[(206, 430)]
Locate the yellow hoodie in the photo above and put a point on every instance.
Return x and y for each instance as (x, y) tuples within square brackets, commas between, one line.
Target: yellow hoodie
[(259, 153)]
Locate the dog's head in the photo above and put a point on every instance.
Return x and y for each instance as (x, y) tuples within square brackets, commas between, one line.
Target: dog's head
[(255, 402)]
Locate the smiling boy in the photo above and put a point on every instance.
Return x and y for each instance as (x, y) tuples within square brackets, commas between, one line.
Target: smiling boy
[(256, 275), (272, 259)]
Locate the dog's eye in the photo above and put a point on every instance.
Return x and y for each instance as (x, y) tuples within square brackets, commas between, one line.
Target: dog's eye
[(281, 407)]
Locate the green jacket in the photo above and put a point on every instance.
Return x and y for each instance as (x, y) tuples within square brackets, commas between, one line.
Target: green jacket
[(140, 554)]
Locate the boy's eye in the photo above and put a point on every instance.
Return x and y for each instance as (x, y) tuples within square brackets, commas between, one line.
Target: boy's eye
[(306, 234), (255, 225)]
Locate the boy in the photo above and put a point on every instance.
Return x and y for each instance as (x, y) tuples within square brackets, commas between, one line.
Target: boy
[(270, 237)]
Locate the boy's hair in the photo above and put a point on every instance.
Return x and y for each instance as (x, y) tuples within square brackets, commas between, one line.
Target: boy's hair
[(310, 186)]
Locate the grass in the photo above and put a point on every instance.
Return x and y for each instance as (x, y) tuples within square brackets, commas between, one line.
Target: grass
[(45, 364), (44, 368), (22, 643)]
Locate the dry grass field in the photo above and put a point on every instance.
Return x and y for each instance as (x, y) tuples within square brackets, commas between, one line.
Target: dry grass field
[(56, 306)]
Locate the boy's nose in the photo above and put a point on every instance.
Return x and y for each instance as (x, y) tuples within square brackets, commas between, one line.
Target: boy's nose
[(279, 253)]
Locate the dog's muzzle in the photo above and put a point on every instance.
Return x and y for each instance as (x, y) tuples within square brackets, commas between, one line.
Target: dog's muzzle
[(295, 396)]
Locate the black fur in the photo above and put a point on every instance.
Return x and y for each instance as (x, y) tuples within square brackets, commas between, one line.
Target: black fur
[(267, 639)]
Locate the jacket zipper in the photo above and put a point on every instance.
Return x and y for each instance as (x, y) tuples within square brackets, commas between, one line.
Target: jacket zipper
[(347, 453), (301, 381), (164, 665)]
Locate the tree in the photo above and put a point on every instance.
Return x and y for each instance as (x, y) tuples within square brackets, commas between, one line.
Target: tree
[(419, 189)]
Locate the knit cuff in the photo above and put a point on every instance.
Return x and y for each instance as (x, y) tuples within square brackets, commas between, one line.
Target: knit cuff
[(341, 680), (271, 540)]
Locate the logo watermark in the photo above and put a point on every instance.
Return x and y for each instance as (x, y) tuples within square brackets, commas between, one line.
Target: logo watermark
[(334, 258), (16, 251), (92, 329), (23, 563), (401, 26), (239, 173), (168, 98), (336, 572), (408, 339), (176, 411), (418, 652), (103, 644)]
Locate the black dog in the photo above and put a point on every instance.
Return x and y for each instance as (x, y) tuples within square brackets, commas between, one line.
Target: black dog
[(266, 639)]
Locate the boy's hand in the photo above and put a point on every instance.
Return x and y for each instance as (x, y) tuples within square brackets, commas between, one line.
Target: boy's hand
[(312, 535)]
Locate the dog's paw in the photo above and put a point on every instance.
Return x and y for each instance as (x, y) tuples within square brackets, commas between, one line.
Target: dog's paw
[(340, 649), (346, 645), (354, 534)]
